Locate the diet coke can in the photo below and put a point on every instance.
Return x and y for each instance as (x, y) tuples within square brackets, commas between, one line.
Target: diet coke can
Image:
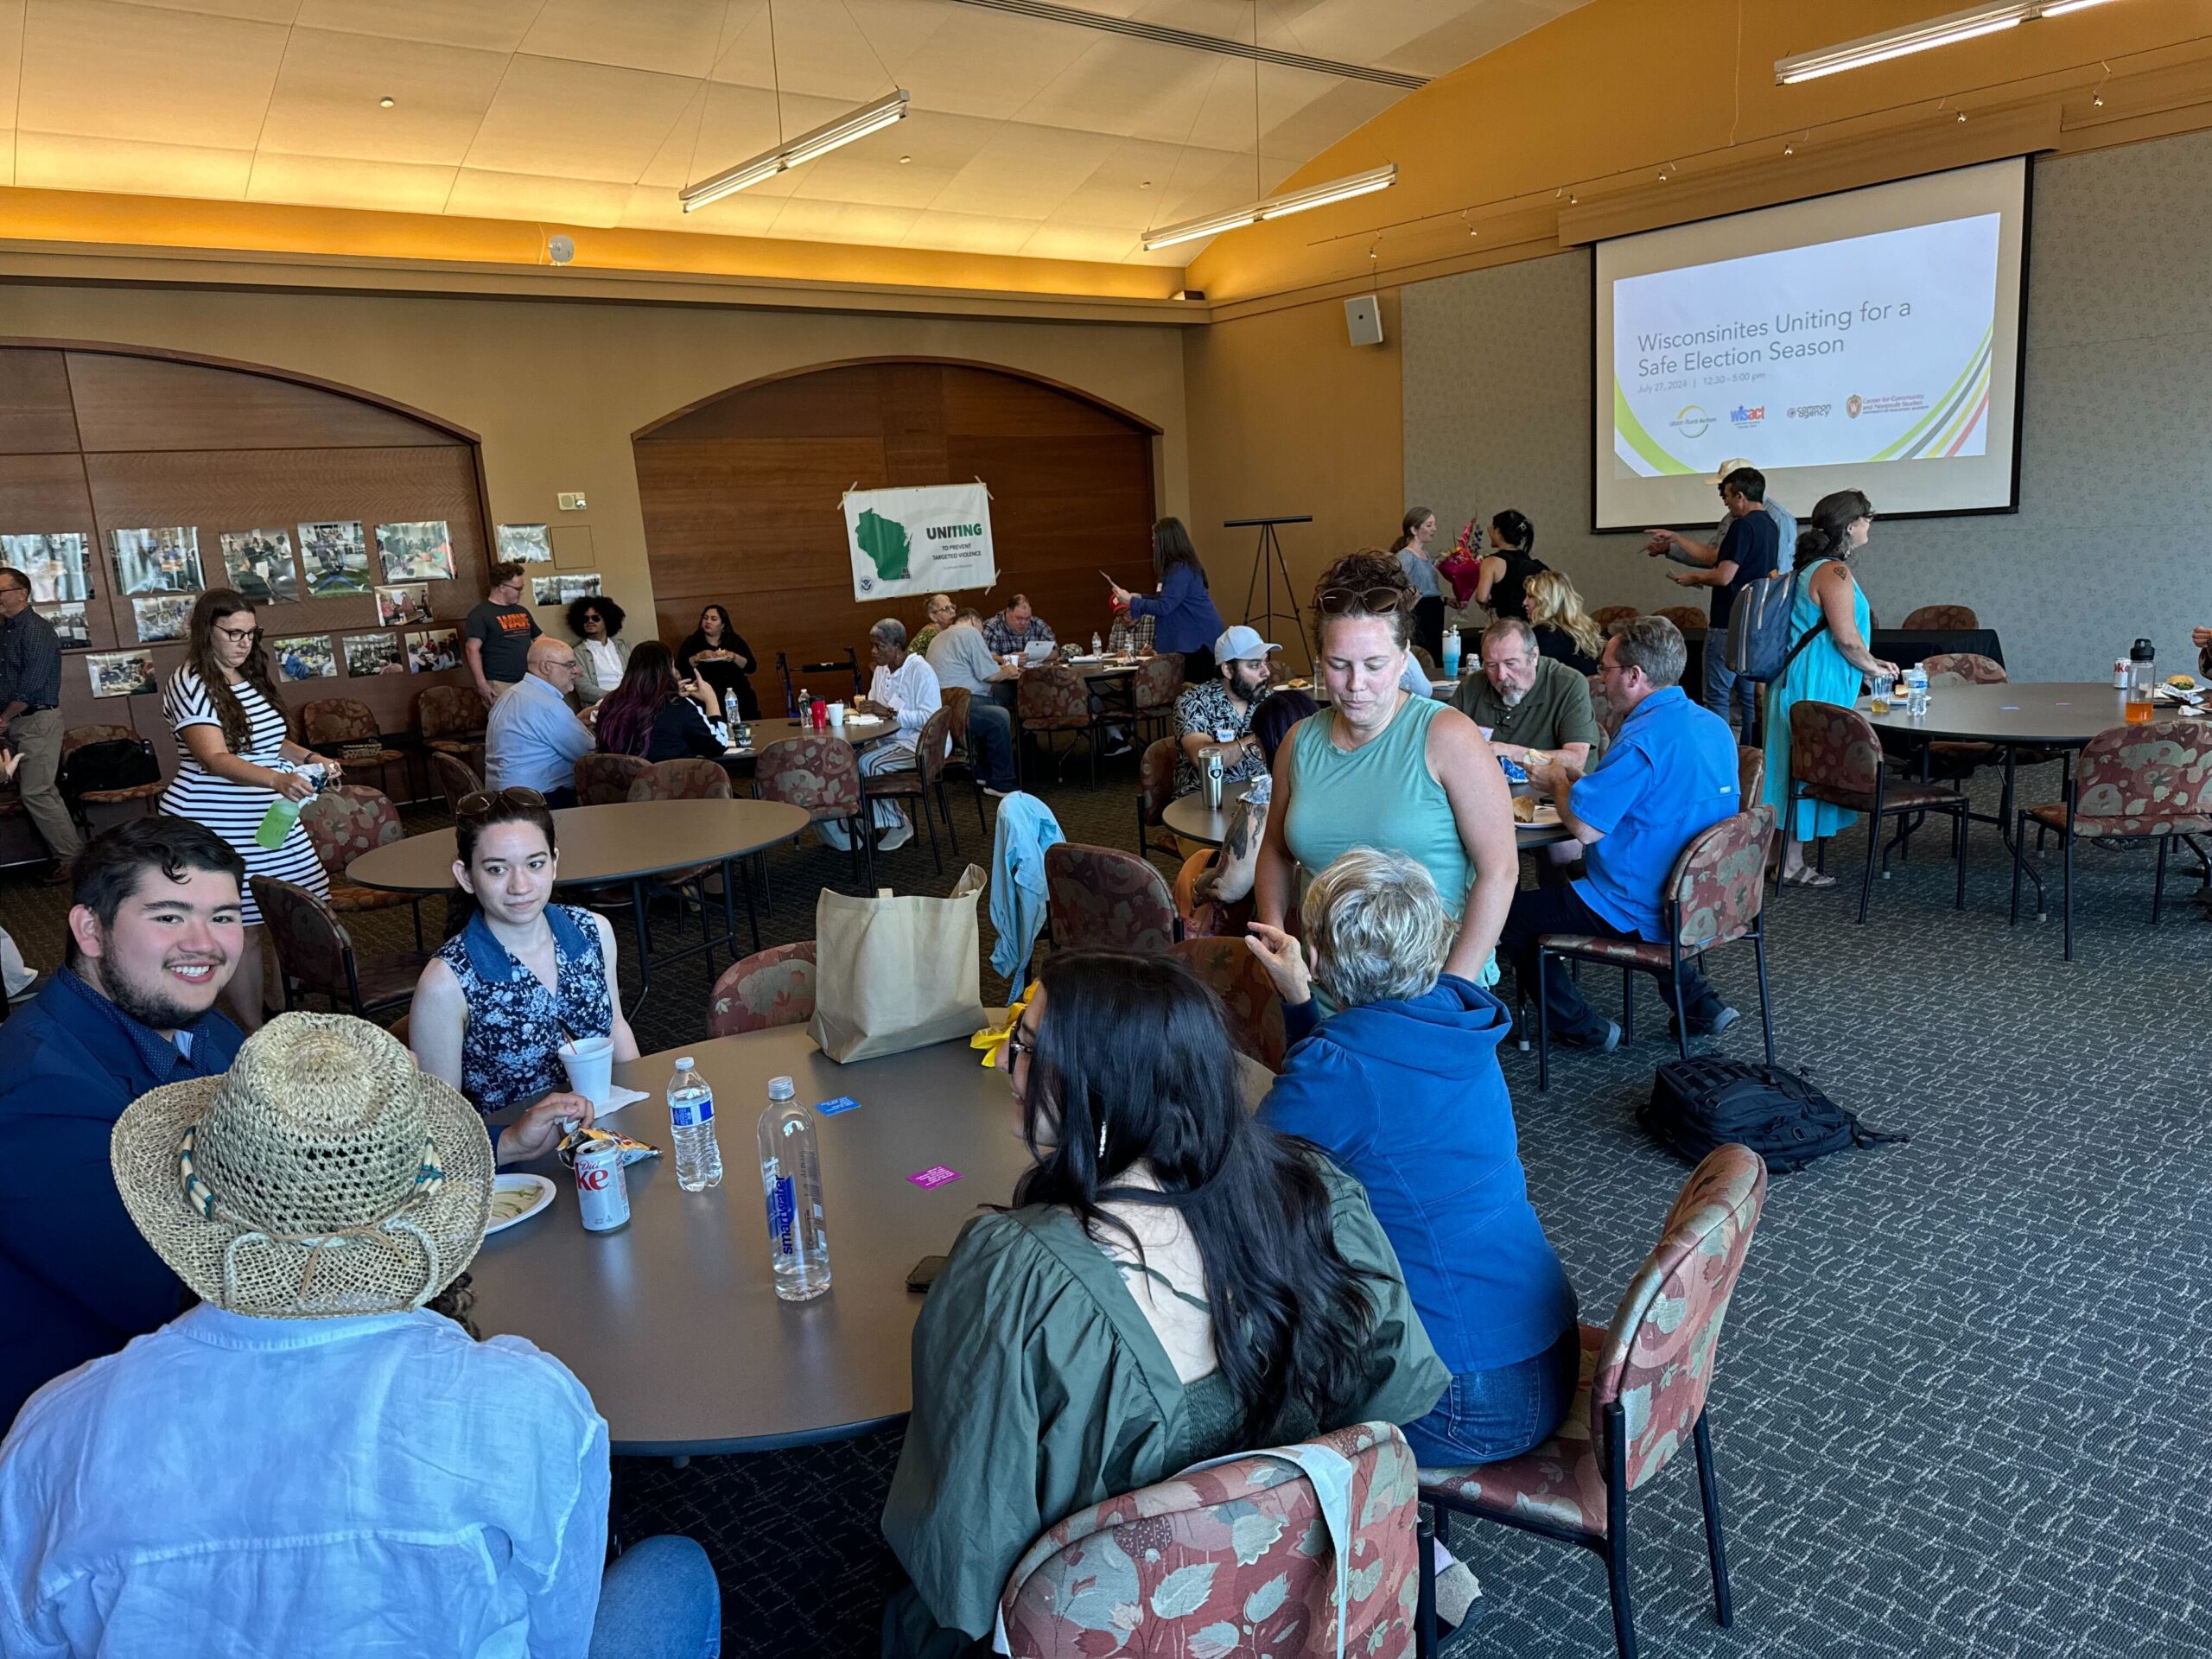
[(602, 1192)]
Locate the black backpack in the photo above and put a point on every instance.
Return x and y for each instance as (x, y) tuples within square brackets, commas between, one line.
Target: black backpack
[(112, 763), (1699, 1104)]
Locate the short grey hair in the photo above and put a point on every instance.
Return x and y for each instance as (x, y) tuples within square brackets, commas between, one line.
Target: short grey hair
[(1511, 627), (890, 631), (932, 605), (968, 614), (1378, 927), (1654, 645)]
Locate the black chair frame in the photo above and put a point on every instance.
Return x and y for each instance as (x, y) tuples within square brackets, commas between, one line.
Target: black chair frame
[(849, 664)]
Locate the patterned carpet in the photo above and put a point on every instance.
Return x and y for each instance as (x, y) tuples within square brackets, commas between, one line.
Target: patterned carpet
[(1957, 1396)]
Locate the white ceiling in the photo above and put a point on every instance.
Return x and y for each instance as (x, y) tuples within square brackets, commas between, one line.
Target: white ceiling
[(1026, 136)]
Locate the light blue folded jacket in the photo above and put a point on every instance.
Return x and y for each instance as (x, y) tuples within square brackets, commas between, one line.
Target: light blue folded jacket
[(1025, 827)]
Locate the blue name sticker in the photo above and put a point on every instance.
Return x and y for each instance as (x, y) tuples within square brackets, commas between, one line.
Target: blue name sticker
[(831, 1108)]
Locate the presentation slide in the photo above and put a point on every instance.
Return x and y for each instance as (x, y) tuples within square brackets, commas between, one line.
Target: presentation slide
[(1866, 340)]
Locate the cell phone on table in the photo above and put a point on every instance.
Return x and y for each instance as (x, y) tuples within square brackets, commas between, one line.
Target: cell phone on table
[(923, 1273)]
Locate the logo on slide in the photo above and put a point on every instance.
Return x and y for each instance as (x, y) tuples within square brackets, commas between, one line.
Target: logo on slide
[(1692, 422), (1852, 405), (1809, 412), (1741, 417)]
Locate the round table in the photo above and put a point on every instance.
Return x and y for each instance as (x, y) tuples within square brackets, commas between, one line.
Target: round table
[(1186, 815), (856, 731), (2044, 715), (625, 842), (672, 1322)]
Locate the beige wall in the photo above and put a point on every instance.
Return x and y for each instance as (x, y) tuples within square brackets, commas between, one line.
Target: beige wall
[(554, 390), (1285, 416)]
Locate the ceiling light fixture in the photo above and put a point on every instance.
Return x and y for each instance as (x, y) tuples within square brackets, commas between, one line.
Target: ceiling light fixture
[(1946, 30), (1280, 206), (870, 117), (383, 103)]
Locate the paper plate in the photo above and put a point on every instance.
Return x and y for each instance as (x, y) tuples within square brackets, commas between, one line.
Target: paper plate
[(517, 1197)]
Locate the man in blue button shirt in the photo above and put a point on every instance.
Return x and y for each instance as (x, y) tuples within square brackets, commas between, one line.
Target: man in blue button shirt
[(1668, 777), (153, 938), (533, 740)]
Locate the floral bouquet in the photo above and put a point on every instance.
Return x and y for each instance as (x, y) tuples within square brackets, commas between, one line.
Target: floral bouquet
[(1462, 566)]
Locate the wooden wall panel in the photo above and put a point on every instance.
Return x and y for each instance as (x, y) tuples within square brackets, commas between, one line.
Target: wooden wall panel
[(222, 449), (741, 498)]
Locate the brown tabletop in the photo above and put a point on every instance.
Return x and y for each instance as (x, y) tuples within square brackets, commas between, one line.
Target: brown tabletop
[(618, 842), (857, 732), (2054, 714), (672, 1322)]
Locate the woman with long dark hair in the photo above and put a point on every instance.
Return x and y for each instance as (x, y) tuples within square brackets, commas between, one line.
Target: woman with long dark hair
[(235, 758), (649, 715), (716, 655), (1829, 604), (1185, 618), (1175, 1282), (1415, 531), (1502, 583)]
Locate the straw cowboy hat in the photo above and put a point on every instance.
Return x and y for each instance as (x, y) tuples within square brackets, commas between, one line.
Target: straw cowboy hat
[(322, 1176)]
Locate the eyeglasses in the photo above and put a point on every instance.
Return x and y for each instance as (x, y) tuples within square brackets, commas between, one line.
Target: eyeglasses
[(478, 803), (1374, 602), (240, 636), (1019, 1041)]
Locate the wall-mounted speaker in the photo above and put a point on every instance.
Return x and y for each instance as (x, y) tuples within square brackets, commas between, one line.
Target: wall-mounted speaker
[(1363, 321)]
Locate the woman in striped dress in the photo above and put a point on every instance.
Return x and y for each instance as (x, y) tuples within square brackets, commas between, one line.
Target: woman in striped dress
[(235, 757)]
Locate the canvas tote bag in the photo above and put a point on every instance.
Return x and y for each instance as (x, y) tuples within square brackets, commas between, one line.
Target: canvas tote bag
[(892, 974)]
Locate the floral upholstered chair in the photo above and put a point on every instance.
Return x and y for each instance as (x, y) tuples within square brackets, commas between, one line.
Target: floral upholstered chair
[(1688, 617), (451, 719), (821, 773), (1715, 895), (457, 780), (344, 822), (693, 777), (1835, 757), (1606, 615), (1155, 790), (1601, 710), (1931, 617), (1751, 773), (603, 778), (1099, 899), (315, 954), (2150, 781), (1645, 1384), (768, 988), (1049, 698), (1236, 1557), (329, 723), (1255, 1008), (1154, 691)]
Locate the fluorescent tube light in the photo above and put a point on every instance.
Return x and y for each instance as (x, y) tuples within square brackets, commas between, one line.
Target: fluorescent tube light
[(1282, 206), (858, 123), (2060, 8), (1967, 25)]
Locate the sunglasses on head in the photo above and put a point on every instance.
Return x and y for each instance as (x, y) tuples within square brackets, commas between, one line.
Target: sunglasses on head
[(480, 802), (1372, 602)]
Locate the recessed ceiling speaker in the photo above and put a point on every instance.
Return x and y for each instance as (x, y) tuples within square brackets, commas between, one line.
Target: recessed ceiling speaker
[(560, 249), (1363, 321)]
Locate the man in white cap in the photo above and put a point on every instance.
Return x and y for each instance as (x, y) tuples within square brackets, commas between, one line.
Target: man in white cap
[(1215, 716), (1683, 551), (312, 1460)]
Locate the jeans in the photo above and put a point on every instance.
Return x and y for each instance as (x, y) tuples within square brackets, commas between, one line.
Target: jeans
[(1725, 691), (659, 1601), (1561, 910), (1488, 1416), (990, 742)]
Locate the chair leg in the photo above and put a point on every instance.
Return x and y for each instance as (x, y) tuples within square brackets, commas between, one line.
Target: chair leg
[(944, 806), (1959, 846), (1425, 1614), (1628, 1005), (1766, 1010), (1723, 1602), (1681, 1009), (1617, 1531), (2159, 883), (1543, 1024), (2019, 858), (1874, 841), (415, 905), (922, 810), (2066, 889)]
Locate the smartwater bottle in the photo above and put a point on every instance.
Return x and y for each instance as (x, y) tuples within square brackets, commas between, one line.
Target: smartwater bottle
[(691, 1116), (791, 1184)]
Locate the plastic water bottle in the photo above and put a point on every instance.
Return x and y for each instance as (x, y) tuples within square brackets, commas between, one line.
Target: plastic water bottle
[(1916, 691), (1452, 655), (691, 1116), (1096, 649), (791, 1185)]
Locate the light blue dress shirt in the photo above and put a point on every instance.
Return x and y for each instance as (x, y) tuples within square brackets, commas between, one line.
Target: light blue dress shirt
[(382, 1488), (1669, 775), (533, 740)]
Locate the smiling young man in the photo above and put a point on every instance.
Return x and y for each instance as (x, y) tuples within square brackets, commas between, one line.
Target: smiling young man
[(153, 936)]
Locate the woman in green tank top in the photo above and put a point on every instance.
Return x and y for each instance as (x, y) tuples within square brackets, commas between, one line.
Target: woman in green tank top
[(1383, 768)]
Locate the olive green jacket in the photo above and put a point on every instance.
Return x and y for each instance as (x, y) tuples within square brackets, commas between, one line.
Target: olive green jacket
[(1041, 1389)]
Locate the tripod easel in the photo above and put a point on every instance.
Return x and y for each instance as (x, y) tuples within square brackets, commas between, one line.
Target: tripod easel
[(1266, 561)]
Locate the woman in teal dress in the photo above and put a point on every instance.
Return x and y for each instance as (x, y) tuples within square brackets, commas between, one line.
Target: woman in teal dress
[(1828, 669)]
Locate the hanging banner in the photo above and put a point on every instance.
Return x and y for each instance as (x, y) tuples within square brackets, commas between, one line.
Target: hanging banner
[(935, 538)]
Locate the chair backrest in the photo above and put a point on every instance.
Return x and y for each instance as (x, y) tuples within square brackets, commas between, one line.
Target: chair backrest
[(770, 987), (1427, 662), (1659, 1352), (930, 746), (1719, 881), (1942, 616), (693, 777), (815, 770), (1968, 667), (312, 944), (1248, 995), (338, 719), (77, 736), (604, 778), (1833, 749), (1100, 898), (1606, 616), (1751, 773), (1053, 694), (454, 778), (1233, 1559), (1688, 618), (2134, 780), (344, 822), (1158, 681), (1601, 708), (956, 700), (450, 711), (1156, 779)]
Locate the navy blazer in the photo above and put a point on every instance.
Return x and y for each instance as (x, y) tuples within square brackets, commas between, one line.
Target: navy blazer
[(77, 1280)]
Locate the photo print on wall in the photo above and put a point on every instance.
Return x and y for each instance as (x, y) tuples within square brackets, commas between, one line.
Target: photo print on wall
[(525, 543), (121, 673), (422, 551), (54, 561), (162, 616), (433, 650), (305, 657), (373, 654), (335, 556), (260, 565), (401, 607), (71, 626), (164, 561)]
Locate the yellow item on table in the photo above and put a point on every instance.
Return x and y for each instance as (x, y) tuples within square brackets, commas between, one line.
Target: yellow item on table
[(991, 1041)]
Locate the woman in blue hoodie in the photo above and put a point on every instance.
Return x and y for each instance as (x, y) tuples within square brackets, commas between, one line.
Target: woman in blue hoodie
[(1401, 1088)]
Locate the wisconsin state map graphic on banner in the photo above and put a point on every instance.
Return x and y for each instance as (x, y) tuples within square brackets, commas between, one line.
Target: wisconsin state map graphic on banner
[(924, 540)]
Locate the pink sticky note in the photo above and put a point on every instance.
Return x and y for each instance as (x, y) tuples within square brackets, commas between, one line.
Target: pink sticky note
[(935, 1175)]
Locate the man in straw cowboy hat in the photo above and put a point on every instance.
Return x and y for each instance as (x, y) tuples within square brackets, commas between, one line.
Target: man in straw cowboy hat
[(313, 1461)]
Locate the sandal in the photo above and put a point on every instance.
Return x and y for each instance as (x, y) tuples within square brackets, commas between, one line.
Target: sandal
[(1807, 876)]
